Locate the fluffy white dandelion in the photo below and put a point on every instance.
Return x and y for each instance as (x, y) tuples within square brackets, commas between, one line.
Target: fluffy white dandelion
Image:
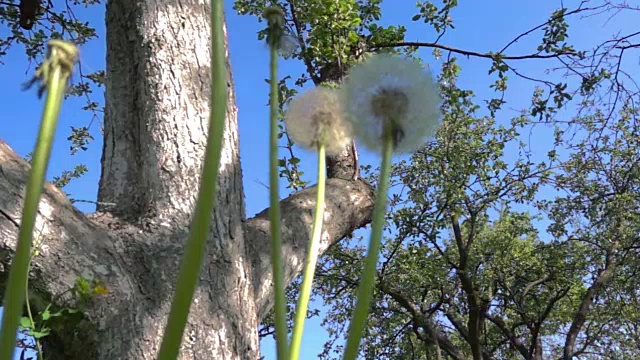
[(389, 91), (316, 117)]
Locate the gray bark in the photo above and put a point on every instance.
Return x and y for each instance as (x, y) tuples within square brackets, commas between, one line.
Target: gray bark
[(157, 95)]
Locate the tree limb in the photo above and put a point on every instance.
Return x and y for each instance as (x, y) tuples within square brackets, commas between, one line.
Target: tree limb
[(475, 317), (585, 305), (70, 245), (349, 205), (513, 339), (419, 319), (487, 55)]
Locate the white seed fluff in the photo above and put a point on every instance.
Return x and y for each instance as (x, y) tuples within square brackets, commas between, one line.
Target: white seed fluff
[(316, 117), (386, 88)]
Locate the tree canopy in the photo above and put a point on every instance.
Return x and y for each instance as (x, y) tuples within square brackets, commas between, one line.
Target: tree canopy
[(491, 255)]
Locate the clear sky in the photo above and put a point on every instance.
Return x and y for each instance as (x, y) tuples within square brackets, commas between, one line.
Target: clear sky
[(479, 26)]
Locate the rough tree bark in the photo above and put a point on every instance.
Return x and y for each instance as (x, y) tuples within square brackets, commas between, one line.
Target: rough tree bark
[(157, 93)]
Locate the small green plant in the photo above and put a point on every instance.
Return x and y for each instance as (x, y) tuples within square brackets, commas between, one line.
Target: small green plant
[(40, 325), (28, 322), (86, 289)]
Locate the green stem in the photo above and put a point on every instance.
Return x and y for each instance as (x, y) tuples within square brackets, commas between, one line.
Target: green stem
[(274, 214), (367, 282), (28, 306), (312, 259), (19, 273), (195, 246)]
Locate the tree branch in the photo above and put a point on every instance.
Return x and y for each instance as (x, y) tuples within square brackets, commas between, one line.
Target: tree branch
[(535, 347), (513, 339), (475, 317), (487, 55), (70, 245), (572, 12), (419, 319), (585, 305), (349, 205), (303, 48)]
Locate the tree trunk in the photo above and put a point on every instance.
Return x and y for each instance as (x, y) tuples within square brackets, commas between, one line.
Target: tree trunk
[(157, 101)]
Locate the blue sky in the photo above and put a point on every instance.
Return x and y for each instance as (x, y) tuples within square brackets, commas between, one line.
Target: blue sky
[(479, 26)]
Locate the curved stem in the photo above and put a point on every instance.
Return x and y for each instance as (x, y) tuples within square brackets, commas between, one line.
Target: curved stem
[(195, 246), (312, 259), (367, 282), (30, 315)]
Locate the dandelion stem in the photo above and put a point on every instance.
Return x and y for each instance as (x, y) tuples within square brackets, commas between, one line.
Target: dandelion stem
[(274, 212), (195, 246), (312, 259), (29, 313), (367, 280), (55, 77)]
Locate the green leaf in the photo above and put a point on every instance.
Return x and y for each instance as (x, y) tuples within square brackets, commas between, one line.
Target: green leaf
[(40, 334), (46, 315), (25, 322)]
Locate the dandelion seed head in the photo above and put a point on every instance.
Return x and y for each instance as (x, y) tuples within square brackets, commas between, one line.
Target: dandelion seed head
[(386, 90), (389, 103), (316, 117)]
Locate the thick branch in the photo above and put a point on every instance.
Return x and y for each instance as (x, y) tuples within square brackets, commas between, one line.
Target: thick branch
[(535, 348), (513, 339), (348, 207), (475, 319), (70, 245), (464, 333), (585, 306), (419, 319)]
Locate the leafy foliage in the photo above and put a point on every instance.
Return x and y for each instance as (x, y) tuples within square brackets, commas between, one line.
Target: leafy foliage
[(480, 261), (327, 36)]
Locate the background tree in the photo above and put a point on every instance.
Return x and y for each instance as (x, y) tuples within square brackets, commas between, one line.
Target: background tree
[(151, 161), (468, 271)]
